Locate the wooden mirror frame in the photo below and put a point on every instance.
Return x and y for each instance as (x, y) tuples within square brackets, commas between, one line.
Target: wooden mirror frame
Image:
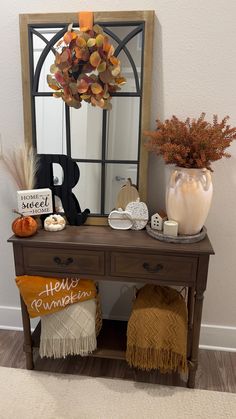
[(131, 16)]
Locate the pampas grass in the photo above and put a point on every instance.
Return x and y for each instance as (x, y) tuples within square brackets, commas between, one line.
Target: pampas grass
[(21, 163)]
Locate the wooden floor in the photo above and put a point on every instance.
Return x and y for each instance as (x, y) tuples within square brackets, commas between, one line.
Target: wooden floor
[(216, 371)]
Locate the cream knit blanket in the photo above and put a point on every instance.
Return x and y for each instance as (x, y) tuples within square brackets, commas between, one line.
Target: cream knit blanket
[(71, 331)]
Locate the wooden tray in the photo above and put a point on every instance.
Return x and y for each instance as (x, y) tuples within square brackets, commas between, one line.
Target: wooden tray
[(156, 234)]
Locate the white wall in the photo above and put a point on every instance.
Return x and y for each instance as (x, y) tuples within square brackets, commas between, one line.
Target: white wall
[(194, 71)]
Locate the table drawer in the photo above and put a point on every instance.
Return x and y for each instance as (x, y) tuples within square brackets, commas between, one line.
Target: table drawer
[(62, 260), (150, 266)]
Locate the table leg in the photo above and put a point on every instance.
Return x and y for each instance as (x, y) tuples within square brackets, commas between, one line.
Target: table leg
[(193, 362), (197, 316), (28, 348), (190, 305)]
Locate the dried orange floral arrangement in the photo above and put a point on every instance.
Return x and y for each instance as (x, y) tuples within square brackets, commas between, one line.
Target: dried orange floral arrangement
[(191, 143), (85, 68)]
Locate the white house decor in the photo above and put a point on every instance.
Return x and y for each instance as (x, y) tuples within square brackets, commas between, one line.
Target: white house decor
[(139, 214), (157, 220), (35, 201)]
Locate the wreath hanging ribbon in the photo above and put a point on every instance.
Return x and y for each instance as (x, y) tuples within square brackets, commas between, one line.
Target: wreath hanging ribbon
[(85, 20), (85, 67)]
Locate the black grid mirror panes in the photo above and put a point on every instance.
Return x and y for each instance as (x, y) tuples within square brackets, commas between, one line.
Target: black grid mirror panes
[(105, 144), (123, 129), (50, 126), (86, 132), (88, 188)]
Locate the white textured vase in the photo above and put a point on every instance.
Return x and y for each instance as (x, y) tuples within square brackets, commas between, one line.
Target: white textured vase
[(188, 198)]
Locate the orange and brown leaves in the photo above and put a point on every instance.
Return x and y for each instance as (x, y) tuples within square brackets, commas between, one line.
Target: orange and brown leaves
[(191, 143), (85, 68)]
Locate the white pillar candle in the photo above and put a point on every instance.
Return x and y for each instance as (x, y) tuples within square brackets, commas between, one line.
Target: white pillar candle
[(170, 228)]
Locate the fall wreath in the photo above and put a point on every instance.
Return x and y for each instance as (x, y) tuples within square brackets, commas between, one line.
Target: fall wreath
[(85, 68)]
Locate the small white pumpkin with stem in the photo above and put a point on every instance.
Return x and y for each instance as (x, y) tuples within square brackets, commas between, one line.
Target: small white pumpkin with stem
[(54, 222)]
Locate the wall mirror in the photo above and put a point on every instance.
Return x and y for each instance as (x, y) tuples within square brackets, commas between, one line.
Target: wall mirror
[(107, 145)]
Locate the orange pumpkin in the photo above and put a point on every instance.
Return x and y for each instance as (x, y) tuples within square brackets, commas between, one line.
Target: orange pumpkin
[(24, 226)]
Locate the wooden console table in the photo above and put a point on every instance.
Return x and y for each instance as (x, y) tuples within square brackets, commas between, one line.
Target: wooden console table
[(101, 253)]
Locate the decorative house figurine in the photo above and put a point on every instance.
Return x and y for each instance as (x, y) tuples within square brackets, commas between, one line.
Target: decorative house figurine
[(158, 219)]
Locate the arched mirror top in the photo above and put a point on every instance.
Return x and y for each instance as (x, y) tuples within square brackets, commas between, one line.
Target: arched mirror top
[(106, 145)]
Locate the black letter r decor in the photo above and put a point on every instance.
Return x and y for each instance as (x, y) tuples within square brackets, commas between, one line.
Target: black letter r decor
[(64, 191)]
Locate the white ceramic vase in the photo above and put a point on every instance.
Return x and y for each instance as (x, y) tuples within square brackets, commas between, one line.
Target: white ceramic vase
[(188, 198)]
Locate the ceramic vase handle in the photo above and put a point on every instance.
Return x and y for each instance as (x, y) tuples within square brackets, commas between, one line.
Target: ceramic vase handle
[(173, 178), (206, 180)]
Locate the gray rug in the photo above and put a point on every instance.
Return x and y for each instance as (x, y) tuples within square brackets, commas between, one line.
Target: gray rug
[(31, 394)]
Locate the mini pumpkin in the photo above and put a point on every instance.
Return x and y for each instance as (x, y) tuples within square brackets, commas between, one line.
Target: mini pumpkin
[(24, 226), (120, 220), (54, 222)]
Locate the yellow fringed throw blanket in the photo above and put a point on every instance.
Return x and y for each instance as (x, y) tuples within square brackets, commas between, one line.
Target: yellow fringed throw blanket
[(157, 330)]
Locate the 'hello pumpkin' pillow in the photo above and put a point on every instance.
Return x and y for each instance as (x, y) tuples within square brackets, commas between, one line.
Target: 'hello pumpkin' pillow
[(44, 295)]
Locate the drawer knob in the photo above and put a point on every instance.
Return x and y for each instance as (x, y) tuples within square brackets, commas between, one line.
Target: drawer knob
[(152, 269), (65, 262)]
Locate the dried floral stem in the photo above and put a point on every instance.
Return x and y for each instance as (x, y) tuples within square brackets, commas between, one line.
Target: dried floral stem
[(22, 164), (191, 143)]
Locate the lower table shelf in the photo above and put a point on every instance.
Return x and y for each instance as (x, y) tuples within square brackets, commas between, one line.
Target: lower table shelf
[(111, 342)]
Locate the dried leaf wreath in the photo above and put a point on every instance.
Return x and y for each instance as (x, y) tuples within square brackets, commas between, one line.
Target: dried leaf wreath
[(85, 68)]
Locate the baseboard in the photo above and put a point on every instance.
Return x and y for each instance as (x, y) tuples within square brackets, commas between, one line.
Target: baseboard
[(10, 318), (221, 338)]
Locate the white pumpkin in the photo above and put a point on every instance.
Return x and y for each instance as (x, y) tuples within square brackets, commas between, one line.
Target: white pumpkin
[(120, 220), (139, 214), (54, 222)]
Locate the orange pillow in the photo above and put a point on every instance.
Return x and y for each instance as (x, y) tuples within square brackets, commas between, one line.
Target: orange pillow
[(44, 295)]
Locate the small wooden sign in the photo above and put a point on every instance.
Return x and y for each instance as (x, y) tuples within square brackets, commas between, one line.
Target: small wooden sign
[(35, 201)]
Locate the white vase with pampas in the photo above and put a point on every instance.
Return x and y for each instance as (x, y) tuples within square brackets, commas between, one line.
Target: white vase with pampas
[(22, 164)]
